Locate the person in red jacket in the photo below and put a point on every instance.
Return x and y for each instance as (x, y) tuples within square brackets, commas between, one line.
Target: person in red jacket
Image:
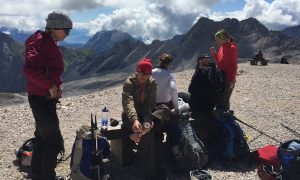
[(43, 68), (226, 60)]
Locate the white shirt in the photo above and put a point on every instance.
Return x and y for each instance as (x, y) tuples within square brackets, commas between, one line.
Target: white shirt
[(166, 86)]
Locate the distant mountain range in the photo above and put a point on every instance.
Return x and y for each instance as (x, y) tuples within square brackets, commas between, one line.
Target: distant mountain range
[(77, 38), (11, 62), (250, 35), (292, 31), (113, 51)]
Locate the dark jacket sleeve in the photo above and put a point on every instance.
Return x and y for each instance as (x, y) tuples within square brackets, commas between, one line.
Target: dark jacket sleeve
[(193, 84)]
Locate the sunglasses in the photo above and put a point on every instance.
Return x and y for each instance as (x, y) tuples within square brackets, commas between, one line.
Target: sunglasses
[(67, 31)]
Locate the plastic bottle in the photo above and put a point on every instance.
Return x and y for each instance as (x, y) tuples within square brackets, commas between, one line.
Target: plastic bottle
[(105, 118)]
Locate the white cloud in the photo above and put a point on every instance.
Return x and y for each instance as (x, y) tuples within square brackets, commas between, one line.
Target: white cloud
[(150, 19), (30, 15), (276, 15), (150, 22)]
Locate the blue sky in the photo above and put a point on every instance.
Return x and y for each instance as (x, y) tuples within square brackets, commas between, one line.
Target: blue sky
[(229, 6), (148, 19), (234, 5)]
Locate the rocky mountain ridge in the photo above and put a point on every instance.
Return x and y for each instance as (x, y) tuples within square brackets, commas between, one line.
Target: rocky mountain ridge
[(117, 52), (250, 35)]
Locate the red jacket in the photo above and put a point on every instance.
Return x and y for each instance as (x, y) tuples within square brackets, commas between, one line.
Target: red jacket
[(226, 60), (43, 65)]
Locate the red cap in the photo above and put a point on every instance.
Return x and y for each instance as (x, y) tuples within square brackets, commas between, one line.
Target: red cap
[(145, 65)]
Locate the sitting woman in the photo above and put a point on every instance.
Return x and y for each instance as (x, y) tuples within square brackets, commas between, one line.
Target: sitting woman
[(203, 99), (138, 100)]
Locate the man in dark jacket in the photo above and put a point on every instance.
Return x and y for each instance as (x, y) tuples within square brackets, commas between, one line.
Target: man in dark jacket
[(203, 99), (203, 94), (42, 69)]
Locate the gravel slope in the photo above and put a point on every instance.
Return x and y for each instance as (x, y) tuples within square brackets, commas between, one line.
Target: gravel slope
[(264, 97)]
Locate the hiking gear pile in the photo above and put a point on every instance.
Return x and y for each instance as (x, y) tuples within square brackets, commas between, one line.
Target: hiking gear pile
[(84, 163), (279, 163)]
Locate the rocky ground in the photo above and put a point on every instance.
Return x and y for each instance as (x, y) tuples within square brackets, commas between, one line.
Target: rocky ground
[(264, 97)]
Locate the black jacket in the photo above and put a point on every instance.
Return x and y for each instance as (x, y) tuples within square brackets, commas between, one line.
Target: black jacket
[(203, 94)]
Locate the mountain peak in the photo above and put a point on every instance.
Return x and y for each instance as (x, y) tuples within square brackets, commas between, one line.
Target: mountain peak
[(106, 39), (252, 25)]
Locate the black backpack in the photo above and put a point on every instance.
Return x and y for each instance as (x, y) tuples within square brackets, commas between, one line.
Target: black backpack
[(230, 142), (217, 79), (195, 156)]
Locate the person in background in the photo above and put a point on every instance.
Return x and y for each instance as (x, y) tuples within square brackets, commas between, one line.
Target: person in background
[(167, 95), (43, 68), (138, 101), (226, 60), (259, 56)]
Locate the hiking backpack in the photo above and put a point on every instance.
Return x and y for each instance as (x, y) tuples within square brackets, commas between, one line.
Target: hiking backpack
[(24, 153), (195, 156), (230, 143), (289, 157), (82, 158), (217, 79)]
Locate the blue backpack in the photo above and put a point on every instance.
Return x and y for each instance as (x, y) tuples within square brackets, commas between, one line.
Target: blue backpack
[(230, 141), (289, 157), (83, 159)]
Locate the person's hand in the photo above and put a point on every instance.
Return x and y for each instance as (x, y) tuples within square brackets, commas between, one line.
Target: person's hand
[(231, 84), (212, 51), (54, 92), (135, 137), (137, 127)]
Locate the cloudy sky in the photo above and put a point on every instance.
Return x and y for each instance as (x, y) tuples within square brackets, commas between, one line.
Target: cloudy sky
[(149, 19)]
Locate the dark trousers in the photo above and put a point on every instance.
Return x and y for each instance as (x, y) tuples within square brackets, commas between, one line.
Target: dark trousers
[(48, 141), (223, 101), (144, 159)]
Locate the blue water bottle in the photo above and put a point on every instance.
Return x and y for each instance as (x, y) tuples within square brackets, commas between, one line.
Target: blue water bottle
[(105, 118)]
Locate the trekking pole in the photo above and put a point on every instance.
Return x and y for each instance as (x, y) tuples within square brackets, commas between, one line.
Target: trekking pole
[(95, 154), (292, 130), (257, 130)]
